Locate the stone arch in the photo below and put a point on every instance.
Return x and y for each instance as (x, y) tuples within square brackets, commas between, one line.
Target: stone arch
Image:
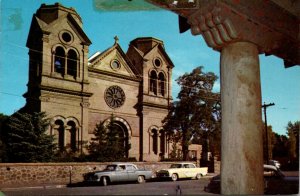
[(153, 139), (162, 83), (72, 62), (126, 131), (58, 124), (153, 81), (72, 131), (59, 59)]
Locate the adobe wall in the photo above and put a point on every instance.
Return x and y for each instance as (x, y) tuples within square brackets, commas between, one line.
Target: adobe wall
[(32, 174)]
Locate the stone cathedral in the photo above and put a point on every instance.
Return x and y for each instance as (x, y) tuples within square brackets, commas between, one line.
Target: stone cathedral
[(77, 91)]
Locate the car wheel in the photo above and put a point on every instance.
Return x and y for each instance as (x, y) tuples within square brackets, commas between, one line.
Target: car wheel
[(141, 179), (174, 177), (105, 181), (198, 176)]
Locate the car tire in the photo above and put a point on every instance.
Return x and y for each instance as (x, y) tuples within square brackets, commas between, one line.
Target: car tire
[(174, 177), (105, 181), (198, 176), (141, 179)]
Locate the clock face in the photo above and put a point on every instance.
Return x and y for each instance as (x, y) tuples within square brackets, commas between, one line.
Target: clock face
[(114, 96)]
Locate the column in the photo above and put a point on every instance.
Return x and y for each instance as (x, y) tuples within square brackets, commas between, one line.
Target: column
[(242, 145)]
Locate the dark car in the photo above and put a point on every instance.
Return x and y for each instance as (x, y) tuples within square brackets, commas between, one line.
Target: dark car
[(275, 182), (118, 172)]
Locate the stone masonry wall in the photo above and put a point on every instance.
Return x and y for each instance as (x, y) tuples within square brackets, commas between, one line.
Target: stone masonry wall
[(32, 174)]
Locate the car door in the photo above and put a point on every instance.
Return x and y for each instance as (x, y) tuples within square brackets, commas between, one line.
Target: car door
[(121, 173), (132, 172), (189, 170)]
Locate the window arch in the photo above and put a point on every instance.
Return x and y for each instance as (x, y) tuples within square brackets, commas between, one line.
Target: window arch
[(153, 82), (72, 63), (61, 134), (162, 141), (161, 83), (154, 134), (66, 63), (73, 131), (59, 60)]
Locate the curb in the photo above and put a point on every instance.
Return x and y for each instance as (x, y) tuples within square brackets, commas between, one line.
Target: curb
[(33, 187)]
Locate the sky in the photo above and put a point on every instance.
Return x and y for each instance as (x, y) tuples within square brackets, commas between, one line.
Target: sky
[(129, 20)]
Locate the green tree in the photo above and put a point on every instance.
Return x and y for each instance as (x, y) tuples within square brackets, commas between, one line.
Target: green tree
[(280, 149), (196, 114), (109, 143), (26, 139), (293, 134), (3, 121), (271, 142)]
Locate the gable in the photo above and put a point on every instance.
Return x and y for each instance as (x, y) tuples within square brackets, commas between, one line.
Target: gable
[(66, 22), (158, 52), (112, 60)]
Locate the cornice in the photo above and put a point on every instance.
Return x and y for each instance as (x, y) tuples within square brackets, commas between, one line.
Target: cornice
[(66, 91)]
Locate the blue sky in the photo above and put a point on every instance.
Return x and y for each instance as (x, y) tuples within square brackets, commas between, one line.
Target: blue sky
[(279, 85)]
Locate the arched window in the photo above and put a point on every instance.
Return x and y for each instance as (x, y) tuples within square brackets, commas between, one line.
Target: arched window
[(61, 134), (59, 60), (73, 132), (153, 82), (162, 141), (154, 140), (72, 63), (161, 84)]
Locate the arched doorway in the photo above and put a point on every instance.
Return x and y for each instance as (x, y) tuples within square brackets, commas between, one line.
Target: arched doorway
[(121, 134)]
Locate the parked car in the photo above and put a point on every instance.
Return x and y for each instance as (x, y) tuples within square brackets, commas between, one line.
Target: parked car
[(118, 172), (182, 170), (275, 182)]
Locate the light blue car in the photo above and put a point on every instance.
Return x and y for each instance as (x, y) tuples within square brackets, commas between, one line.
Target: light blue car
[(118, 172)]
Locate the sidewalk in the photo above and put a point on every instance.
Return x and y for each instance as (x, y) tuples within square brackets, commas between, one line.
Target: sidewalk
[(33, 187)]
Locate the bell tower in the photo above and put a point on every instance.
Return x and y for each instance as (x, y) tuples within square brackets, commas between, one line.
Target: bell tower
[(58, 68), (149, 57)]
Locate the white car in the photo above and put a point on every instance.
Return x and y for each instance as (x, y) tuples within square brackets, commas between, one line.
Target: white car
[(182, 170)]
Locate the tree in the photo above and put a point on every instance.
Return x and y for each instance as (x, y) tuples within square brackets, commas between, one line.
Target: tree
[(196, 114), (3, 121), (271, 142), (280, 149), (26, 139), (293, 134), (108, 143)]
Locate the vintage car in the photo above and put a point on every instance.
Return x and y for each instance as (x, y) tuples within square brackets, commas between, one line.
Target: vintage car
[(275, 182), (182, 170), (118, 172)]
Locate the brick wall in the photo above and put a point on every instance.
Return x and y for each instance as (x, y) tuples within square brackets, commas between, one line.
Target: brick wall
[(31, 174)]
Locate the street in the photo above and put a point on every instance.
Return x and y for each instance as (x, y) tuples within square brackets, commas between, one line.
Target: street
[(182, 187)]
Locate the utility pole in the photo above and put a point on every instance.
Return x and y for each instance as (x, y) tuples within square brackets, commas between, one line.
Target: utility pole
[(266, 129)]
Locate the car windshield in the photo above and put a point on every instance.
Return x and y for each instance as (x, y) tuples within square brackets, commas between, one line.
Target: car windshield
[(175, 166), (110, 168)]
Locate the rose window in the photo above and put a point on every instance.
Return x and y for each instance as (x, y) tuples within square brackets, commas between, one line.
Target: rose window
[(114, 96)]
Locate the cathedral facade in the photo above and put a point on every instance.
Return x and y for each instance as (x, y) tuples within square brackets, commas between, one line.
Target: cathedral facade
[(78, 91)]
